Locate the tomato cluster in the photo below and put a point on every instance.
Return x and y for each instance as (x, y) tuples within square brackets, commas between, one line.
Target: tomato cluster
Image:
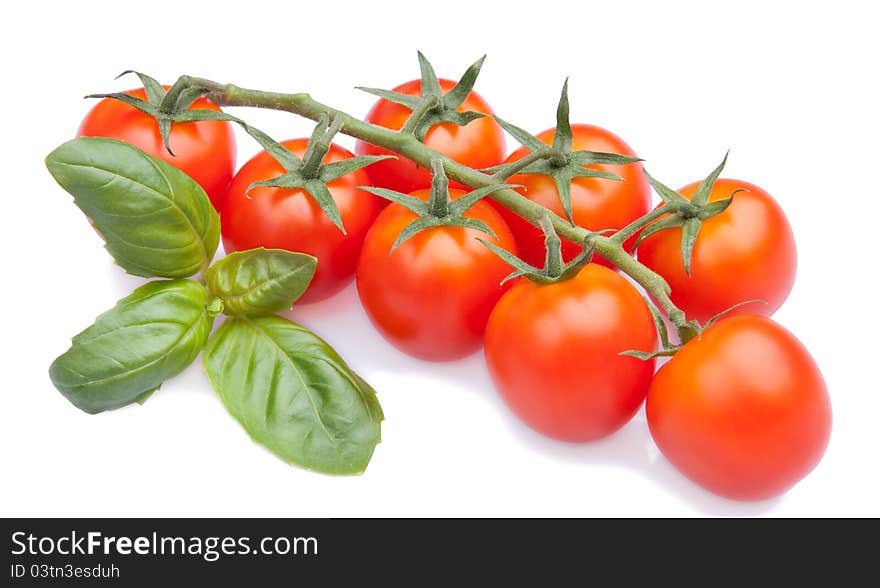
[(741, 408)]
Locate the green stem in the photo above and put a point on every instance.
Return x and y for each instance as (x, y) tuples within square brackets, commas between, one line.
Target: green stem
[(520, 164), (553, 262), (408, 146), (318, 148), (640, 223), (438, 199), (398, 142), (427, 104), (611, 250)]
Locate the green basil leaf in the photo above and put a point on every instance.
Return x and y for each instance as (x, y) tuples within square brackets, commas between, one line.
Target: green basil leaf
[(148, 337), (155, 219), (293, 394), (260, 281)]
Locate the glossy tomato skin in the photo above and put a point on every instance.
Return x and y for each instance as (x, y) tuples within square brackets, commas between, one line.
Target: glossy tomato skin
[(745, 253), (596, 203), (291, 219), (204, 150), (554, 353), (479, 144), (743, 411), (432, 296)]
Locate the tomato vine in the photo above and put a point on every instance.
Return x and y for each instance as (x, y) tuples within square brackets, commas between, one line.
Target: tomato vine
[(293, 393)]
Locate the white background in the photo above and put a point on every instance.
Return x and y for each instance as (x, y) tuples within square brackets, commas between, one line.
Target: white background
[(790, 88)]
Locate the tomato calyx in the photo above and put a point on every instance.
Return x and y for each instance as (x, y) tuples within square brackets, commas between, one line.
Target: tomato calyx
[(310, 173), (686, 214), (433, 106), (168, 106), (555, 269), (693, 329), (440, 210), (559, 160)]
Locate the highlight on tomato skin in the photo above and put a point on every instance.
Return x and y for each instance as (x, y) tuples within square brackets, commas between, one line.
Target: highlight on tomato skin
[(742, 411), (745, 253), (291, 219), (597, 203), (431, 297), (479, 144), (554, 353), (204, 150)]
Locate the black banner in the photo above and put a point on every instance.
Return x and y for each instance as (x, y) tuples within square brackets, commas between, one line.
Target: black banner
[(248, 552)]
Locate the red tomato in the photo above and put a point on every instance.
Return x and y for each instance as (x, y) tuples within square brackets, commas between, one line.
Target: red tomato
[(432, 296), (479, 144), (290, 219), (596, 203), (742, 411), (554, 353), (745, 253), (204, 150)]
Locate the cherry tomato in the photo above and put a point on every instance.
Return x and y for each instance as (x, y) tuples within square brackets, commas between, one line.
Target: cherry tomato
[(290, 219), (554, 353), (743, 411), (432, 296), (745, 253), (479, 144), (204, 150), (596, 203)]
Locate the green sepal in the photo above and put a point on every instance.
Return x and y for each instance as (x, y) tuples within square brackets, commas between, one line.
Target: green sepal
[(440, 210), (279, 152), (667, 194), (715, 208), (701, 194), (562, 139), (645, 355), (688, 214), (525, 138), (428, 222), (602, 157), (143, 106), (406, 100), (260, 281), (660, 324), (434, 107), (319, 191), (337, 169), (717, 317), (663, 224), (555, 269), (462, 204), (460, 119), (558, 161), (430, 85), (412, 203), (521, 268), (666, 349), (154, 90), (202, 114), (455, 97), (689, 230), (167, 107), (563, 188), (309, 173)]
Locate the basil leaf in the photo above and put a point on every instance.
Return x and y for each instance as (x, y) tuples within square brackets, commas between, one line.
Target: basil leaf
[(155, 219), (148, 337), (293, 394), (260, 281)]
